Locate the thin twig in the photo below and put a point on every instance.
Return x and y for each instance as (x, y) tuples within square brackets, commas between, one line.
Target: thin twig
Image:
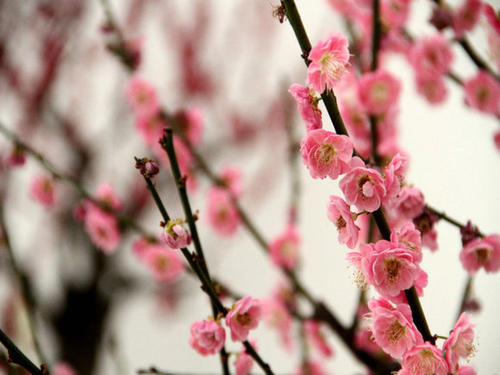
[(18, 357)]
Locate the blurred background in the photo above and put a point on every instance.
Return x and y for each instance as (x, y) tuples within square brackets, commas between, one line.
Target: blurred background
[(63, 92)]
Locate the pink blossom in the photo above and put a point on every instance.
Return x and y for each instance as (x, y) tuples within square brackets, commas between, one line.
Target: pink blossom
[(42, 190), (175, 235), (482, 92), (429, 239), (492, 18), (378, 91), (394, 175), (409, 204), (194, 125), (165, 264), (393, 327), (232, 178), (419, 284), (150, 125), (409, 237), (481, 252), (315, 336), (102, 228), (466, 370), (340, 214), (459, 343), (221, 213), (364, 340), (276, 315), (395, 12), (363, 188), (431, 56), (140, 247), (424, 359), (307, 106), (325, 153), (466, 16), (284, 249), (106, 195), (496, 139), (243, 363), (389, 267), (328, 58), (207, 337), (16, 157), (142, 96), (62, 368), (432, 88), (244, 316)]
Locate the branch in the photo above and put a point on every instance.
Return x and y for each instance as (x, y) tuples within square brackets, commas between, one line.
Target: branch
[(26, 291), (17, 356), (297, 26)]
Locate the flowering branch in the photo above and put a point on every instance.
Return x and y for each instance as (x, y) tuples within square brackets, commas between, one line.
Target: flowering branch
[(332, 108), (200, 270), (17, 356)]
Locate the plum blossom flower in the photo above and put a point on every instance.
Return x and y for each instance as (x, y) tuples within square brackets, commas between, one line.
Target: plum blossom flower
[(409, 203), (433, 89), (482, 92), (340, 214), (307, 106), (313, 332), (363, 187), (207, 337), (496, 140), (394, 175), (42, 190), (409, 237), (284, 249), (466, 16), (481, 252), (378, 91), (175, 235), (102, 228), (62, 368), (165, 264), (326, 154), (389, 267), (431, 56), (243, 363), (329, 58), (221, 213), (150, 126), (393, 327), (244, 316), (232, 178), (106, 195), (142, 96), (459, 343), (423, 359), (277, 316), (394, 13)]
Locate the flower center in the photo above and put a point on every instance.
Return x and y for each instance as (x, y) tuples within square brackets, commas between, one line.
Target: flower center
[(396, 331), (341, 224), (392, 267), (482, 255), (365, 186), (243, 319), (161, 264), (326, 153), (331, 66), (379, 92)]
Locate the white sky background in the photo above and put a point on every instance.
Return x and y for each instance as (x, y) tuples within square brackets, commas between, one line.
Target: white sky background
[(453, 161)]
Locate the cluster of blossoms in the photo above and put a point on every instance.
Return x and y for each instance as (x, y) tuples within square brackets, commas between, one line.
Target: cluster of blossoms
[(209, 336), (101, 225), (391, 266), (222, 214), (150, 123)]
